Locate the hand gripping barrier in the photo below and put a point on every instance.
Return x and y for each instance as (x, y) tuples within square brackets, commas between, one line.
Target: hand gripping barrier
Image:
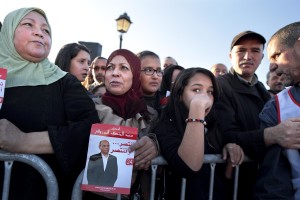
[(211, 159), (37, 163)]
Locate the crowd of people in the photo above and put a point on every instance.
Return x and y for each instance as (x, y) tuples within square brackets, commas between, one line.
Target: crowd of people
[(181, 114)]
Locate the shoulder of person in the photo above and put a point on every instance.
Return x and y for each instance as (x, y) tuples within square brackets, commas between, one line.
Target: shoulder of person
[(70, 81), (107, 116), (69, 78), (112, 156), (95, 157), (96, 100), (104, 111), (226, 79), (152, 113), (261, 85), (165, 123), (264, 93), (226, 82)]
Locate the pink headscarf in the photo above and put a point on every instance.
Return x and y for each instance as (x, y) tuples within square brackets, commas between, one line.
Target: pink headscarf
[(132, 102)]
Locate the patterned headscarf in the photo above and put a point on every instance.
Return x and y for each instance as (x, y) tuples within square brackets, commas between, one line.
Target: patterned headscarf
[(132, 102), (22, 72)]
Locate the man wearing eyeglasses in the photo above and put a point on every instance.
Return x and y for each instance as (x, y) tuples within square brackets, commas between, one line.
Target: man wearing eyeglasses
[(98, 67), (151, 77)]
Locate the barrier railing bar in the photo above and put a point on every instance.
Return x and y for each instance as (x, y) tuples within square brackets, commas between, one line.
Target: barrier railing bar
[(153, 181), (77, 192), (7, 175), (208, 158), (40, 165), (213, 159), (183, 186), (236, 182), (118, 196), (211, 182)]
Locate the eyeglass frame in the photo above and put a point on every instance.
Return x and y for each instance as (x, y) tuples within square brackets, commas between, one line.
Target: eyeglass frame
[(154, 71)]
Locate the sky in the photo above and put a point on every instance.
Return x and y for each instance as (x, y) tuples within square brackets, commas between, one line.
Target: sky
[(197, 33)]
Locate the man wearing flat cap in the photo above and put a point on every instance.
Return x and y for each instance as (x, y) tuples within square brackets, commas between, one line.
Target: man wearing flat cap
[(243, 97)]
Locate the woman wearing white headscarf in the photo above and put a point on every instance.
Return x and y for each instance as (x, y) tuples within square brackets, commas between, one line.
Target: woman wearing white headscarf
[(45, 111)]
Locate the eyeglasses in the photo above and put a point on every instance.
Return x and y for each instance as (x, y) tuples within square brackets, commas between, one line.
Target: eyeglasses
[(150, 71), (97, 68)]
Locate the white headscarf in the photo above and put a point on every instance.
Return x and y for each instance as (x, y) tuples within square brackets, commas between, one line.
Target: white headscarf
[(22, 72)]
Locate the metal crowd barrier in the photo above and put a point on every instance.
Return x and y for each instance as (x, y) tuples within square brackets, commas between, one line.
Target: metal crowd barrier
[(211, 159), (77, 192), (37, 163)]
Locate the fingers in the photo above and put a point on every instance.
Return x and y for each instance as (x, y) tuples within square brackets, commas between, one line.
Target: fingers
[(147, 165), (294, 146), (287, 133), (295, 119), (139, 143), (224, 153), (144, 166), (145, 150), (145, 154), (242, 158), (236, 154)]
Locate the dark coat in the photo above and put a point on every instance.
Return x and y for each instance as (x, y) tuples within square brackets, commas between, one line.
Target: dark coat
[(238, 111), (274, 177), (197, 185), (62, 108), (96, 175), (237, 114)]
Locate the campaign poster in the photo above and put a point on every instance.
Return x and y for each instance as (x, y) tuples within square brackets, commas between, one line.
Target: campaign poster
[(3, 73), (109, 164)]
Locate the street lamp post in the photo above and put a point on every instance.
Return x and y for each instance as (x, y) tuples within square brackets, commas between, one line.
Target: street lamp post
[(123, 24)]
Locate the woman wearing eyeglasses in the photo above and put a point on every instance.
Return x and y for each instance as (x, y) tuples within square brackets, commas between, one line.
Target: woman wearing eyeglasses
[(151, 78)]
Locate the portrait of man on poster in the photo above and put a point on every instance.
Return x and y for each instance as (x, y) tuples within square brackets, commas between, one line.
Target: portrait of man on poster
[(102, 167)]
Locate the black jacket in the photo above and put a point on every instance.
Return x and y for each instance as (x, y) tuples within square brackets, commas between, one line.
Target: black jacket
[(238, 111), (237, 114), (62, 108), (274, 177), (197, 185)]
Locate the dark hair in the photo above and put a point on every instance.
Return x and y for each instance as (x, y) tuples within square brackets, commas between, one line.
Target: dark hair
[(177, 111), (98, 58), (145, 53), (67, 53), (169, 57), (175, 107), (103, 140), (287, 35), (167, 78)]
